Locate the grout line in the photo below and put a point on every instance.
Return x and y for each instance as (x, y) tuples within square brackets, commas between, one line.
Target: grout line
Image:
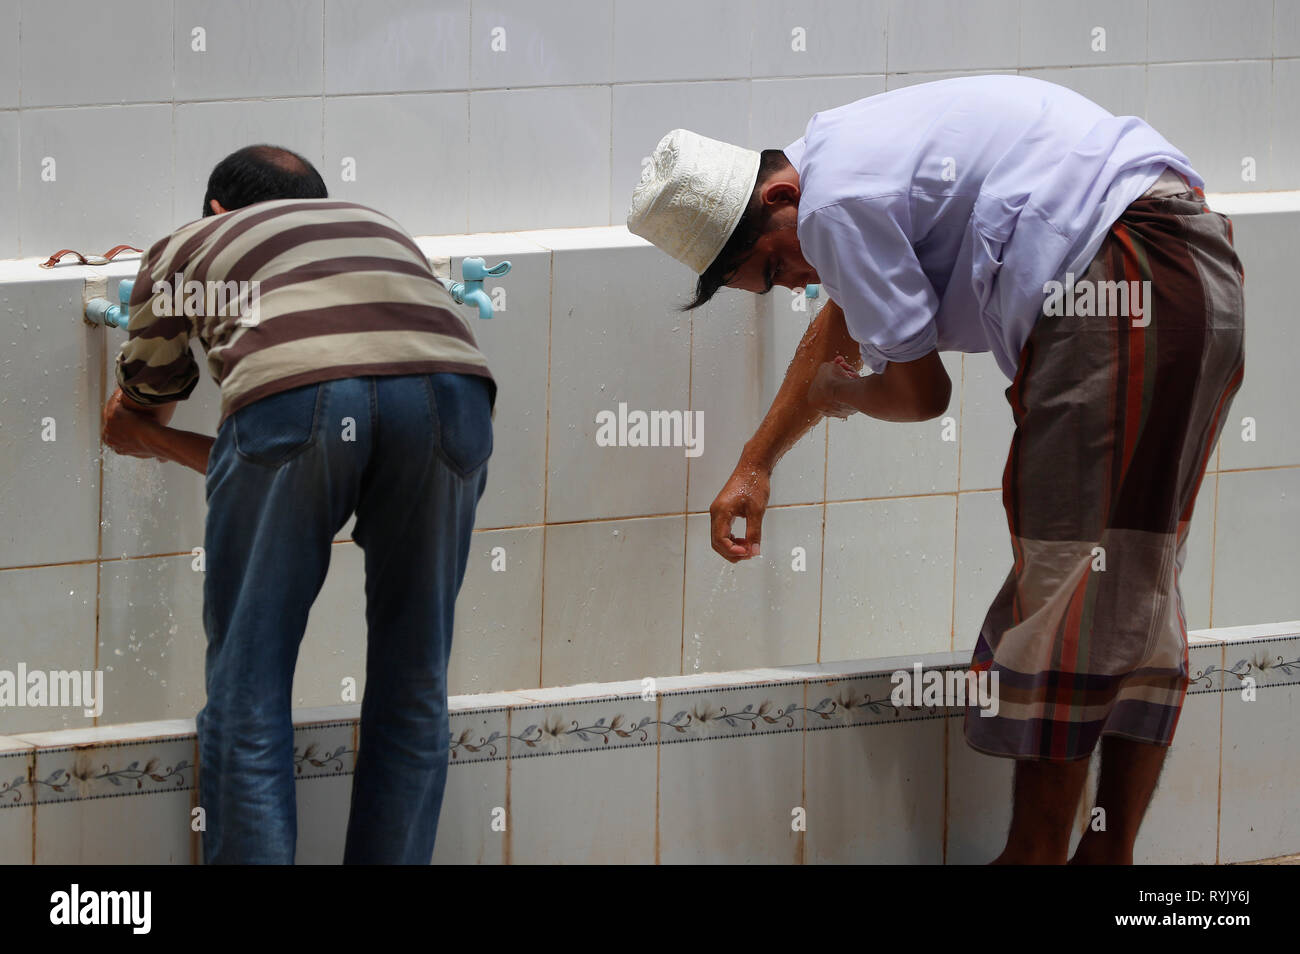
[(99, 523), (690, 406), (546, 465), (821, 570), (956, 516), (1218, 808), (1214, 547)]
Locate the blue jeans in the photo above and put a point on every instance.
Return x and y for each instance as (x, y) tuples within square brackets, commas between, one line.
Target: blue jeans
[(408, 454)]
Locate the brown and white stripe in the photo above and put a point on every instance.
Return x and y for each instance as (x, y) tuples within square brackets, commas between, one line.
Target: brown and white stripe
[(343, 291)]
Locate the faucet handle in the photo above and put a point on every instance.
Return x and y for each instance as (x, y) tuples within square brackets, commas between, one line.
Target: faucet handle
[(475, 269)]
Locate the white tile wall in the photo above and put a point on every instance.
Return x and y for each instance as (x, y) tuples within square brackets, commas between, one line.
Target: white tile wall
[(526, 43), (1256, 550), (781, 108), (1120, 89), (9, 179), (1286, 28), (9, 54), (953, 35), (1206, 30), (50, 487), (77, 159), (131, 49), (681, 40), (517, 160), (1065, 33), (1217, 113), (244, 49), (388, 46), (818, 37)]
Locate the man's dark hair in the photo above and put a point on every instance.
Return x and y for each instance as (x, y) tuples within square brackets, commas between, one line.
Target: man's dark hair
[(261, 173), (748, 231)]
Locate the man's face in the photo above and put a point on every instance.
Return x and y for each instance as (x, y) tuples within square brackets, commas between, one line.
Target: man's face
[(776, 258)]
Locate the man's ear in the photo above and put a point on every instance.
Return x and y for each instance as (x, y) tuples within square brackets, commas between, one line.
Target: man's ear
[(216, 207), (779, 192)]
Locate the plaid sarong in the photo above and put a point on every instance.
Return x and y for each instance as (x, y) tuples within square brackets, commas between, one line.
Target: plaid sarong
[(1116, 419)]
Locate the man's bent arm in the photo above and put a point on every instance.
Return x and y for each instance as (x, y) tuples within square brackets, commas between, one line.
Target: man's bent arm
[(791, 415)]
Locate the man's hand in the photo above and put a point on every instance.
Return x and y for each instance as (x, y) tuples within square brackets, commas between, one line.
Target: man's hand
[(745, 495), (136, 430), (827, 390)]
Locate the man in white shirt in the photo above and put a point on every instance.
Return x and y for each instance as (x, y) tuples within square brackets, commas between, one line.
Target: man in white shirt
[(971, 215)]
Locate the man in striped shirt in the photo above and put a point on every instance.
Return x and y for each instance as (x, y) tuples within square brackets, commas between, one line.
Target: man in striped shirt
[(349, 385)]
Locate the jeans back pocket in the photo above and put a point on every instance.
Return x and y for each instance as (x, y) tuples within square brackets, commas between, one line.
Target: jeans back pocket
[(277, 428), (462, 406)]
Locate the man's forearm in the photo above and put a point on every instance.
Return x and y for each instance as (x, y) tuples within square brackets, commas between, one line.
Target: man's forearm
[(791, 415), (183, 447)]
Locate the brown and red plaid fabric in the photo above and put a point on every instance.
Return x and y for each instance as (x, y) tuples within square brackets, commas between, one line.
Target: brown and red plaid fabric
[(1116, 417)]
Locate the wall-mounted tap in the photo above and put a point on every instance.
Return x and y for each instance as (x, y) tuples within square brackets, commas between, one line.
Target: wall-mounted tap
[(812, 291), (470, 291), (101, 311)]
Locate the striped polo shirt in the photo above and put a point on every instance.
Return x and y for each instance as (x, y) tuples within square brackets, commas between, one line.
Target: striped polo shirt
[(287, 293)]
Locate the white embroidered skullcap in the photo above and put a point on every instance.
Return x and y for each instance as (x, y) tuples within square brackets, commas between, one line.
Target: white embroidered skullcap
[(691, 195)]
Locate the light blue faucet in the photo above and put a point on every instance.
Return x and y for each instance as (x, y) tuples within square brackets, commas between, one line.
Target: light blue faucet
[(101, 311), (812, 291), (470, 291)]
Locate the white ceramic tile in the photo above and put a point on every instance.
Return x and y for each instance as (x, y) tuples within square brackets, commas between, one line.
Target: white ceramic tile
[(17, 811), (247, 48), (979, 801), (582, 783), (871, 458), (1120, 89), (525, 43), (986, 423), (1181, 825), (730, 781), (515, 341), (151, 639), (50, 622), (1255, 552), (1286, 123), (1194, 580), (9, 53), (323, 805), (1260, 816), (874, 793), (613, 600), (522, 174), (406, 155), (132, 44), (116, 804), (780, 109), (983, 560), (818, 37), (208, 132), (324, 763), (899, 80), (952, 34), (474, 800), (1268, 390), (9, 238), (152, 507), (681, 40), (1243, 634), (388, 46), (887, 577), (52, 368), (1062, 33), (54, 210), (498, 637), (1218, 114), (645, 113), (759, 612), (741, 346), (615, 339), (1286, 28), (1207, 30), (334, 647)]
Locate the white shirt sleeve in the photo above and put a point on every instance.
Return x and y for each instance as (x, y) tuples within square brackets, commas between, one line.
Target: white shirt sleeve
[(865, 260)]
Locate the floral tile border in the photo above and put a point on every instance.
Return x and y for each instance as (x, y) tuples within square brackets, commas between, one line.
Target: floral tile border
[(478, 735), (732, 712), (585, 725), (15, 773), (324, 749), (108, 770)]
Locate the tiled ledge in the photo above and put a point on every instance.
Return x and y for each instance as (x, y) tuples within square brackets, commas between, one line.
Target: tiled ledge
[(1225, 794)]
